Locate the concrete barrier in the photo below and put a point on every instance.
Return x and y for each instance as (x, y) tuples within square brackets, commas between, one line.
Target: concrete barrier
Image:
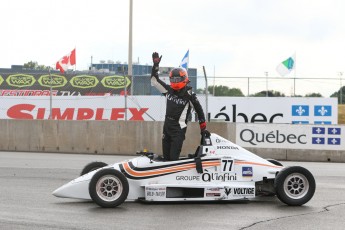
[(120, 137)]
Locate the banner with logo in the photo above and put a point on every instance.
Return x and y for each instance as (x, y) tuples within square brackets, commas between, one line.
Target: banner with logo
[(62, 85), (240, 110), (283, 136), (274, 110)]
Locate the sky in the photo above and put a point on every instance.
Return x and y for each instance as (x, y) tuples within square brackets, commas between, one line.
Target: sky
[(246, 38)]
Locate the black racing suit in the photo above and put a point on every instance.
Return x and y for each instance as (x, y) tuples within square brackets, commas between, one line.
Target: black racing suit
[(178, 110)]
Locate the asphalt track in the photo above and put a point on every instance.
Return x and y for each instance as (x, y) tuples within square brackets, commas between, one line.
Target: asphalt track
[(28, 179)]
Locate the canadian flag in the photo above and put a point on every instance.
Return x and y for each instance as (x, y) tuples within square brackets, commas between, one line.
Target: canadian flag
[(66, 61)]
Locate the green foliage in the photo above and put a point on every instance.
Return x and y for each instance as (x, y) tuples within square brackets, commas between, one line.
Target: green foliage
[(340, 95), (270, 93), (313, 95), (221, 90), (34, 65)]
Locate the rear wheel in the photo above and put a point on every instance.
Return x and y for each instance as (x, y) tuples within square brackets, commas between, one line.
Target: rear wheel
[(294, 185), (92, 166), (108, 188)]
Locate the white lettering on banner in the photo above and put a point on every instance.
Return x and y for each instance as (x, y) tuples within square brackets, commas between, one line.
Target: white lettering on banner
[(287, 136), (232, 109), (28, 111)]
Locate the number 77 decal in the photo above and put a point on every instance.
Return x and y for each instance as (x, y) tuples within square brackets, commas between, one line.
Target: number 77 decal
[(227, 165)]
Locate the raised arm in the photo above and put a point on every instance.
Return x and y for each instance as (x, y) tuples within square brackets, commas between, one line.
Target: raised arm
[(155, 81)]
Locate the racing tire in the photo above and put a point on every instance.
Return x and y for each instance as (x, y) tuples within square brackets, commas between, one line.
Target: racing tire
[(108, 188), (92, 166), (275, 162), (294, 185)]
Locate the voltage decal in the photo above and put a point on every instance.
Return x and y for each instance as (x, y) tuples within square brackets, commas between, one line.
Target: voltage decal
[(52, 80), (84, 81), (20, 80), (115, 82)]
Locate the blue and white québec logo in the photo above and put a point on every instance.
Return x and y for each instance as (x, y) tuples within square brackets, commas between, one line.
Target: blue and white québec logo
[(322, 110), (329, 136), (300, 110)]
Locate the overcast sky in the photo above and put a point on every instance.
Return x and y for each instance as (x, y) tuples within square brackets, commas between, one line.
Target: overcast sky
[(230, 38)]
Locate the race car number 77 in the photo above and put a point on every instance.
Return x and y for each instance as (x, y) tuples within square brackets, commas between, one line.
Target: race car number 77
[(226, 165)]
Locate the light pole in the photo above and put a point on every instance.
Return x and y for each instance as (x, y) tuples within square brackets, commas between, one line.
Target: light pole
[(266, 73), (130, 44), (341, 86)]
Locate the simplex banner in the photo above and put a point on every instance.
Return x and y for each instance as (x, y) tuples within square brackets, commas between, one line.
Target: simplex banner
[(148, 108), (283, 136)]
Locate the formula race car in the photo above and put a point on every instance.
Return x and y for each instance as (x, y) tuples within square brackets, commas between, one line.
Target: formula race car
[(218, 170)]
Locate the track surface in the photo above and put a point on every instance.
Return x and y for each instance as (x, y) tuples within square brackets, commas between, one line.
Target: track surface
[(28, 179)]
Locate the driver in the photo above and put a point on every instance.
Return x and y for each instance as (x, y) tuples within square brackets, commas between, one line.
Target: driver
[(180, 101)]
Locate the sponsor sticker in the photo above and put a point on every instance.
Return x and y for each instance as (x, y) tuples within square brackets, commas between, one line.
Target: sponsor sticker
[(247, 171), (52, 80), (212, 194), (115, 82), (20, 80), (84, 81)]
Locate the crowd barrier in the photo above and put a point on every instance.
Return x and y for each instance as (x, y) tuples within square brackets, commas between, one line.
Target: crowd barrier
[(125, 138)]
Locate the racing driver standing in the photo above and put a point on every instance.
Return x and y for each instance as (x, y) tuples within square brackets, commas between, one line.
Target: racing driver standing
[(180, 102)]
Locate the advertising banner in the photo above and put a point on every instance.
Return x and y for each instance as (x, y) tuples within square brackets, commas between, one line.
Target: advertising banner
[(283, 136), (231, 109), (274, 110), (62, 85)]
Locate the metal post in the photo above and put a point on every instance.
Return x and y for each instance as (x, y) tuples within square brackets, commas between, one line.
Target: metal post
[(341, 90), (51, 95), (266, 73), (125, 90), (206, 92), (130, 75), (248, 87)]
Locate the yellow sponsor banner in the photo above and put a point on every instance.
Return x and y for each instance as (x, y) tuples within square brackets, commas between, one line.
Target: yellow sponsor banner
[(115, 81), (1, 80), (53, 80), (20, 80), (84, 81)]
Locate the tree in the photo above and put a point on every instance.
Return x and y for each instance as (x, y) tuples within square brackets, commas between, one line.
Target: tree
[(341, 99), (313, 95), (30, 65), (34, 65), (270, 93), (221, 90)]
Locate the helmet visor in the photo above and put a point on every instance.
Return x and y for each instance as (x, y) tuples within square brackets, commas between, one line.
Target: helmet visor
[(176, 79)]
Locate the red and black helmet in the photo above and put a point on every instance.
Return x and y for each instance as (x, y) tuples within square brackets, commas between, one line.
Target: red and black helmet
[(178, 78)]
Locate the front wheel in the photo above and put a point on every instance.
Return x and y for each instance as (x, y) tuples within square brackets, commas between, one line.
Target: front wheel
[(108, 188), (294, 185)]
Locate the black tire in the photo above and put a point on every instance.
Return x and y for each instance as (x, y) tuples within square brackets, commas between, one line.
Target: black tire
[(294, 185), (108, 188), (275, 162), (92, 166)]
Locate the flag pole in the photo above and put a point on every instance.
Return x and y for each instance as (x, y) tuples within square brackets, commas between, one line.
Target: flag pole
[(294, 79), (51, 95)]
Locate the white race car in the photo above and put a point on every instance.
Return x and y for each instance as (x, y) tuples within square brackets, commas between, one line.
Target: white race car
[(219, 170)]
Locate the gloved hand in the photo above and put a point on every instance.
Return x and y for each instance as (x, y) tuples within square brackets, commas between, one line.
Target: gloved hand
[(205, 133), (156, 60), (203, 129)]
